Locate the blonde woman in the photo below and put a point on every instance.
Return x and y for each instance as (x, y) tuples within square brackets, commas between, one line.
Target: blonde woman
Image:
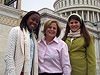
[(53, 52)]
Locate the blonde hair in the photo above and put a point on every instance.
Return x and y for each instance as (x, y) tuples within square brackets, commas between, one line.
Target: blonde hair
[(48, 23)]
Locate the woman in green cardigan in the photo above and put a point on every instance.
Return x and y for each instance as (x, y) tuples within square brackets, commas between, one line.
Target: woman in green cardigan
[(81, 46)]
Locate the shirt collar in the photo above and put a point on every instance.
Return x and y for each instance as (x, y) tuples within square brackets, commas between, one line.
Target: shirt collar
[(30, 33), (54, 40)]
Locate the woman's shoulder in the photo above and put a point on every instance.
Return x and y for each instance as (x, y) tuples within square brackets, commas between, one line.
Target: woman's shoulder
[(40, 41), (16, 28)]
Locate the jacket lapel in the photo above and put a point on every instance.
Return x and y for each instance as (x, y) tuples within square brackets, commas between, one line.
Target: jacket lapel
[(22, 40), (35, 61), (69, 39)]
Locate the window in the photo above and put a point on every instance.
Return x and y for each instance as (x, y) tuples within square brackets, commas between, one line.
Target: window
[(78, 1), (73, 1), (94, 2), (65, 3), (87, 2), (12, 3), (59, 5), (91, 2), (62, 4), (69, 2)]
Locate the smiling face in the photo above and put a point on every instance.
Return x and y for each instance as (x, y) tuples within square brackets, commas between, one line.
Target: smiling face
[(74, 25), (51, 31), (33, 22)]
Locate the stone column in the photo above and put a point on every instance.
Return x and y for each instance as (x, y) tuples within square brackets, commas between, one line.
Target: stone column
[(89, 2), (96, 3), (83, 14), (85, 1), (57, 6), (93, 18), (80, 1), (67, 2), (76, 12), (66, 14), (76, 1), (60, 4), (88, 16), (19, 4), (70, 12), (64, 3), (97, 16), (71, 2), (1, 1), (92, 2)]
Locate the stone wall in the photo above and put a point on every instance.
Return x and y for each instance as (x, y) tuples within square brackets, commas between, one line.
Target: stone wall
[(4, 31)]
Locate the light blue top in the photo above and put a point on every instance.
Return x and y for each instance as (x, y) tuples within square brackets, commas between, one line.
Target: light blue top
[(31, 50)]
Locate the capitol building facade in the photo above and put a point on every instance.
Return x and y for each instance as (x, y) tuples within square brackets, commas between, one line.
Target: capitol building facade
[(89, 10)]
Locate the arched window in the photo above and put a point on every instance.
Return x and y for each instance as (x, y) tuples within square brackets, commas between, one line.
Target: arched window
[(91, 2), (94, 2), (59, 4), (62, 4), (65, 3), (87, 2), (99, 4), (73, 1), (69, 2)]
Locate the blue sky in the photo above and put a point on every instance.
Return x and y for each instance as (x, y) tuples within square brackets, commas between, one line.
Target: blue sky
[(36, 5)]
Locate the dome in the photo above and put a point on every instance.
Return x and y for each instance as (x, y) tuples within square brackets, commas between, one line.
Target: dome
[(89, 10)]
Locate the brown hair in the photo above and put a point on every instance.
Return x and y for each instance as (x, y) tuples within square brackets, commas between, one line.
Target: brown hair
[(48, 23), (84, 31)]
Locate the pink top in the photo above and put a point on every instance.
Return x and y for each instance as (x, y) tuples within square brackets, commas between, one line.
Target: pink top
[(53, 57)]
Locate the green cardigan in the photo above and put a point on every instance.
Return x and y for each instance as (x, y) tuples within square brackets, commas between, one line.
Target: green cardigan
[(82, 58)]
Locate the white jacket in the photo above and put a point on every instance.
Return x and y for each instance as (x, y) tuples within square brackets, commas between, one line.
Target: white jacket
[(15, 52)]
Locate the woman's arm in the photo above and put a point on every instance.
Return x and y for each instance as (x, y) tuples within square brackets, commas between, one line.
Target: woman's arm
[(91, 59), (9, 57), (65, 61)]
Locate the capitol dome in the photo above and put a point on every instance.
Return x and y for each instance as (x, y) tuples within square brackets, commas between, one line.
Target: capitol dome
[(89, 10)]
